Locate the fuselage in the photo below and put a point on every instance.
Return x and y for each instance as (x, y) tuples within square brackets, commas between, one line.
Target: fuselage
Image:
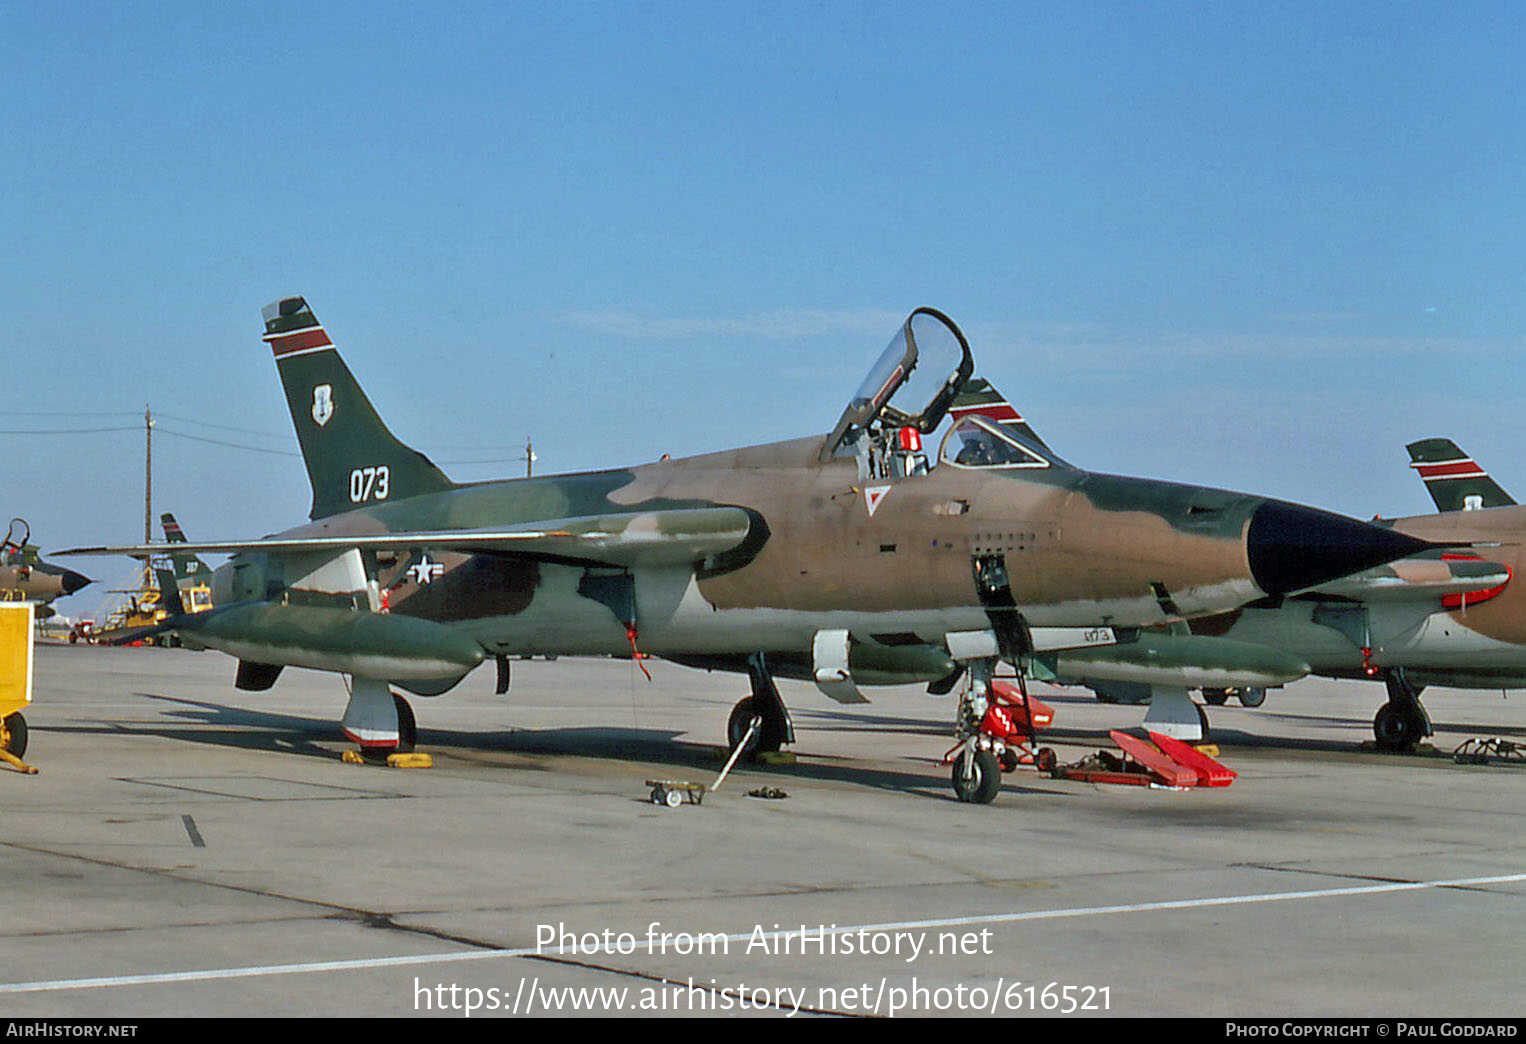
[(890, 562)]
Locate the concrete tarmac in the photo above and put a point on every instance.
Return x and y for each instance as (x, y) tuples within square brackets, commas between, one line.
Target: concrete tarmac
[(189, 849)]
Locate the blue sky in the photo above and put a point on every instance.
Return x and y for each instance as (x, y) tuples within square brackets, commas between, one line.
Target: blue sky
[(1257, 246)]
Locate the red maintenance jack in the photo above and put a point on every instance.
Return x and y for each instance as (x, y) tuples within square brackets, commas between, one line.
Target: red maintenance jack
[(999, 735), (1159, 762)]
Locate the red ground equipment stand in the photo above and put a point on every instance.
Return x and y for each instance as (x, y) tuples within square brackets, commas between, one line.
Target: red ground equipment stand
[(1008, 728), (1167, 763)]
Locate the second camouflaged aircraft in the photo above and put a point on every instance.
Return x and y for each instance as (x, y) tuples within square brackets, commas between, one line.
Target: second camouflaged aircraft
[(850, 558), (1449, 618), (26, 578)]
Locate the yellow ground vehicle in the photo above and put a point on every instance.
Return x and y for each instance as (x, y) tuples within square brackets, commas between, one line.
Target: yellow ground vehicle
[(15, 680), (144, 608)]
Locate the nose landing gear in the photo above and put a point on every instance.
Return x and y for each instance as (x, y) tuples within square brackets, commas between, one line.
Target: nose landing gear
[(996, 730)]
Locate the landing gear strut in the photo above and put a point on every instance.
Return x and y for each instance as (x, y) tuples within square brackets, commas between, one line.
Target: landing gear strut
[(988, 737), (378, 719), (1402, 721), (777, 729), (381, 723)]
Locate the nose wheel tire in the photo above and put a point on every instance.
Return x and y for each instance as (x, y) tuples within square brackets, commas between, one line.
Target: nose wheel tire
[(977, 780)]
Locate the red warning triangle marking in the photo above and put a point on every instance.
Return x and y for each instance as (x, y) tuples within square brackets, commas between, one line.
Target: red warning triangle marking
[(872, 497)]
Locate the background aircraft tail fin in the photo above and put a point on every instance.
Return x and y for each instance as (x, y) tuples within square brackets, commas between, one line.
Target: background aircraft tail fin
[(1454, 479), (169, 594), (187, 567), (980, 397), (353, 460)]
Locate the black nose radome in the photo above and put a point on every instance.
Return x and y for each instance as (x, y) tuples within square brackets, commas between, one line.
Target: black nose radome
[(73, 581), (1292, 547)]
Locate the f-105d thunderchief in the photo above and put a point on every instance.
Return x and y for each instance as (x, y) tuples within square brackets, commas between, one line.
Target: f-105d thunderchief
[(1448, 618), (851, 558), (26, 578)]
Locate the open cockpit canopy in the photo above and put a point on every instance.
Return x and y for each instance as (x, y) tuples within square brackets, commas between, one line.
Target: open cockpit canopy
[(912, 384), (14, 548)]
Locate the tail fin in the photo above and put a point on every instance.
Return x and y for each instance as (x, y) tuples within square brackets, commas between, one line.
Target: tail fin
[(352, 459), (188, 568), (979, 397), (169, 594), (1454, 479)]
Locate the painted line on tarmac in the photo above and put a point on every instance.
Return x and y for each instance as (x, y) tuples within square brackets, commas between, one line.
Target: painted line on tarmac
[(361, 964)]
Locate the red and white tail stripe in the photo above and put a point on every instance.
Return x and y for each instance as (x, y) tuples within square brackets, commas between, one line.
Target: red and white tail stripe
[(1001, 412), (1463, 467), (292, 342)]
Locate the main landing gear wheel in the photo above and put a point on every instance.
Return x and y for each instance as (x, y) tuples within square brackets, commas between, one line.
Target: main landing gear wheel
[(14, 735), (770, 735), (1216, 697), (407, 727), (977, 781), (1397, 727), (1202, 718)]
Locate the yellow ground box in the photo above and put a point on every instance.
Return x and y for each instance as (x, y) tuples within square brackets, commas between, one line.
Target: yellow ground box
[(15, 656)]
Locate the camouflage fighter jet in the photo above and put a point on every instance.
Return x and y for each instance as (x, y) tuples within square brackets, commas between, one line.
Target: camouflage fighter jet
[(848, 558), (26, 578), (1442, 617)]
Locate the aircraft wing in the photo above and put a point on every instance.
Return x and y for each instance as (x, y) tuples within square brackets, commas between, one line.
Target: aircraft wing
[(678, 536)]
